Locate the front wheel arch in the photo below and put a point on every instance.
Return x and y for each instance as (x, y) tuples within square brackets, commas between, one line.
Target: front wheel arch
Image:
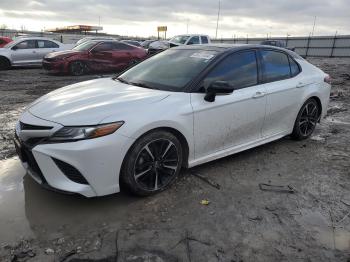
[(4, 58)]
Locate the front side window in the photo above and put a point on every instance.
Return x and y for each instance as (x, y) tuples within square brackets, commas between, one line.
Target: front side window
[(239, 70), (194, 40), (103, 47), (170, 70), (28, 44), (204, 40), (181, 39), (276, 65), (85, 46)]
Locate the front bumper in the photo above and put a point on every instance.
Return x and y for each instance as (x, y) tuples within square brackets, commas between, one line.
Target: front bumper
[(55, 66), (98, 161)]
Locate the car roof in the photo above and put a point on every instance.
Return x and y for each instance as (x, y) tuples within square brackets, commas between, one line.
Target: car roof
[(33, 38), (221, 48)]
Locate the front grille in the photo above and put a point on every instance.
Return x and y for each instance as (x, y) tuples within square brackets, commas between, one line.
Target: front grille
[(25, 126), (71, 172)]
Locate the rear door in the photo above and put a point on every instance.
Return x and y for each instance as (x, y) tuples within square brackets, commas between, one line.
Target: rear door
[(281, 78), (45, 47), (234, 119)]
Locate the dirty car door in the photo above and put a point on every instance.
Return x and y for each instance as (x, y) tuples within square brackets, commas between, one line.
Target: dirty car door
[(101, 57), (232, 119), (24, 53)]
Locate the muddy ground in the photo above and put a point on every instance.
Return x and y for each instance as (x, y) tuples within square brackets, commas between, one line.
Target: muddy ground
[(310, 222)]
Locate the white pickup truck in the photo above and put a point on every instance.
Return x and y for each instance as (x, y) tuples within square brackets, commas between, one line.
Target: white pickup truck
[(188, 39)]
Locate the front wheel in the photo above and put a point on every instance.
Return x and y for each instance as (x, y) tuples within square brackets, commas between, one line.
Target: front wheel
[(4, 63), (152, 164), (77, 68), (307, 118)]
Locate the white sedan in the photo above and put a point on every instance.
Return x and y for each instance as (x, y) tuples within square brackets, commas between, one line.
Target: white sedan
[(181, 108), (28, 51)]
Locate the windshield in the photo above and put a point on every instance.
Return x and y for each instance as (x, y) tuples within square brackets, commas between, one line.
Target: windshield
[(170, 70), (84, 46), (180, 39)]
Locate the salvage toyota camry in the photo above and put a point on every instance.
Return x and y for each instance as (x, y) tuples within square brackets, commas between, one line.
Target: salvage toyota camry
[(181, 108)]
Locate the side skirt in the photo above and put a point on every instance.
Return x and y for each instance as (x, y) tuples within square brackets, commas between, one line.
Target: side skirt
[(236, 149)]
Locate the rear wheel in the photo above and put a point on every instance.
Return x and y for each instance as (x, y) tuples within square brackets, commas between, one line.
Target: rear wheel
[(4, 63), (307, 118), (152, 164), (78, 68)]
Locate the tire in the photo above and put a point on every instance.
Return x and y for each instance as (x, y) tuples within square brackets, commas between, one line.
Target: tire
[(78, 68), (152, 164), (4, 63), (307, 119)]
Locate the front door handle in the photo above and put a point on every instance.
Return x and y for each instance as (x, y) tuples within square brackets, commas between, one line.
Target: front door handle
[(259, 94)]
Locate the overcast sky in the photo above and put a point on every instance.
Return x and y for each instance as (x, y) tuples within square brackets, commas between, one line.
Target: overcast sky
[(141, 17)]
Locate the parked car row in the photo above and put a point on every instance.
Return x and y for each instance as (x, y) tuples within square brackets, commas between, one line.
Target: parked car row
[(91, 54), (94, 56)]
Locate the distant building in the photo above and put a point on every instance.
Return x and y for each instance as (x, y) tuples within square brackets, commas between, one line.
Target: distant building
[(77, 29)]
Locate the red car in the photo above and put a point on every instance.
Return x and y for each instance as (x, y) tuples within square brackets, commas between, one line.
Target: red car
[(94, 56), (4, 41)]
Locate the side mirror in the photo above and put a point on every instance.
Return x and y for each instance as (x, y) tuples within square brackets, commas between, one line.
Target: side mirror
[(190, 43), (217, 87), (14, 48)]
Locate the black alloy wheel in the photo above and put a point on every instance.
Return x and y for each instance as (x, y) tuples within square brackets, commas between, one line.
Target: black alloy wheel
[(153, 163), (78, 68), (307, 119)]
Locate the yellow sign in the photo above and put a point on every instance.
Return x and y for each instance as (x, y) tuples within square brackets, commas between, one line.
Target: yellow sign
[(162, 28)]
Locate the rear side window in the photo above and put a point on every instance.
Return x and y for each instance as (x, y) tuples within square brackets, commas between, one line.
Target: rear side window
[(239, 69), (276, 65), (46, 44), (294, 67), (204, 40), (121, 46)]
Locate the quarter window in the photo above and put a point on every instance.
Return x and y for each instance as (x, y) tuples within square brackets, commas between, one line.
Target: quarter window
[(239, 70), (276, 65), (294, 68)]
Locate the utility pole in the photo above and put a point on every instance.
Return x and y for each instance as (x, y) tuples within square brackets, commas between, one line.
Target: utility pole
[(188, 21), (313, 27), (99, 20), (217, 21)]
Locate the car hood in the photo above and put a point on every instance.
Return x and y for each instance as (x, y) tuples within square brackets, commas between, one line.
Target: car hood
[(90, 102), (65, 53)]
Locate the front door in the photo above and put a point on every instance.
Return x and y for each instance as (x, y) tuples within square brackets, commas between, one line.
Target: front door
[(234, 119), (24, 53)]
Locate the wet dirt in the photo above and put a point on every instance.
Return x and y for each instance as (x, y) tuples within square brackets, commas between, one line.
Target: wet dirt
[(241, 222)]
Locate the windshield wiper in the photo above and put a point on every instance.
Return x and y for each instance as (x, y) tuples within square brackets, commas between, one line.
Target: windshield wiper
[(122, 80), (140, 85)]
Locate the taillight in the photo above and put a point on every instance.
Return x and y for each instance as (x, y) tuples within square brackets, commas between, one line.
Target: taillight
[(327, 79)]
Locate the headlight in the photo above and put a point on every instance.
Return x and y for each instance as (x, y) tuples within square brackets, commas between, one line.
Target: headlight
[(72, 133)]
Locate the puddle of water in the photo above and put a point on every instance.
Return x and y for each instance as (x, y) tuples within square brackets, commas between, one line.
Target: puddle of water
[(28, 210), (323, 232), (13, 222)]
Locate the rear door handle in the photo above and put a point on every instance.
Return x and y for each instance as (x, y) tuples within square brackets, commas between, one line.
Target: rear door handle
[(259, 94)]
